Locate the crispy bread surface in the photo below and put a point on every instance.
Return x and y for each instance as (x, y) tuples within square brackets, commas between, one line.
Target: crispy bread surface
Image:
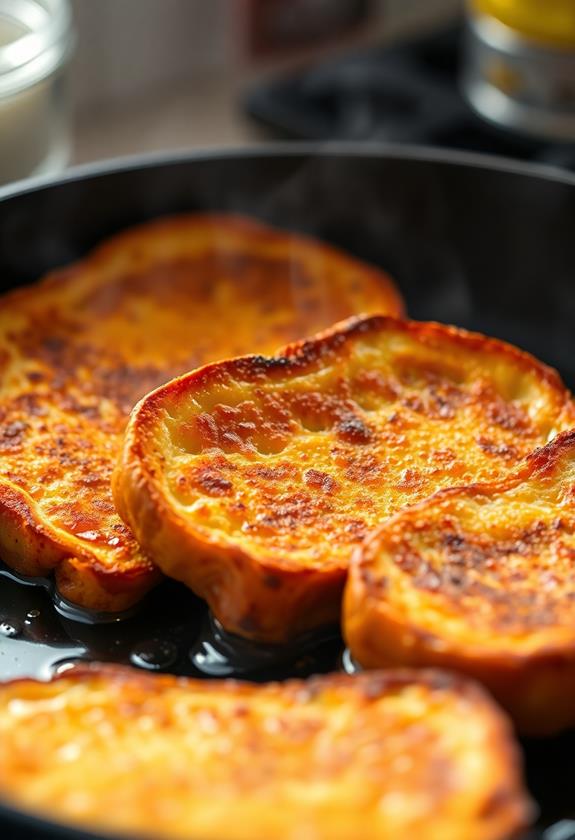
[(480, 579), (252, 480), (80, 348), (380, 755)]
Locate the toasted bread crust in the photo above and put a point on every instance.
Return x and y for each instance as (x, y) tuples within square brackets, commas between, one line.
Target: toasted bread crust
[(480, 579), (253, 479), (80, 348), (373, 756)]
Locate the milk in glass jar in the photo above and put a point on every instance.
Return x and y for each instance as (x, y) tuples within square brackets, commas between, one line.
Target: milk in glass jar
[(36, 39)]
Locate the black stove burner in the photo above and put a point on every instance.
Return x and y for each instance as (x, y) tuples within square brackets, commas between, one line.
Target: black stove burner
[(406, 93)]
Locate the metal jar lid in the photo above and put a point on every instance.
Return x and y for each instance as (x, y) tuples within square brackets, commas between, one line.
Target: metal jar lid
[(550, 22), (36, 38)]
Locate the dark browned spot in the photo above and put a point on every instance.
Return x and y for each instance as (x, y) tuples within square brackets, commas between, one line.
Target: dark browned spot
[(321, 480), (504, 450), (12, 435), (352, 429), (364, 469), (211, 482), (292, 512), (507, 416), (35, 376), (278, 473), (443, 403), (15, 429), (356, 528), (414, 403), (273, 581)]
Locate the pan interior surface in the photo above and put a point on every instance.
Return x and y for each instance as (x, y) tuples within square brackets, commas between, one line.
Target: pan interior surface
[(487, 248)]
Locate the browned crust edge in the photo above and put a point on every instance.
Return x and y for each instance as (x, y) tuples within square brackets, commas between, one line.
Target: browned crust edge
[(537, 688), (301, 356), (29, 546), (80, 577), (247, 593), (230, 222)]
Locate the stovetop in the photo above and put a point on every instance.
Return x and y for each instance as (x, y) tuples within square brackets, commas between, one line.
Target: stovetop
[(403, 93)]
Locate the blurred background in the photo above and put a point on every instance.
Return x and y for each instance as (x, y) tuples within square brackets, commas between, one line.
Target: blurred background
[(171, 73), (93, 79)]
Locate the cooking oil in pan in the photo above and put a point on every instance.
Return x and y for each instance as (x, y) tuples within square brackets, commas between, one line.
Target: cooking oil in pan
[(171, 630)]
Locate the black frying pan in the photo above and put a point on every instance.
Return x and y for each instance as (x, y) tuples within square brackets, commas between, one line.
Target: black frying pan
[(482, 243)]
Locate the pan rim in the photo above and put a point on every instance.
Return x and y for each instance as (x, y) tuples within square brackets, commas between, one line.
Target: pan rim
[(290, 149)]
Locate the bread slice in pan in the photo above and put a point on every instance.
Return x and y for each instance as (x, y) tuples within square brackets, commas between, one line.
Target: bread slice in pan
[(81, 347), (482, 580), (380, 755), (252, 480)]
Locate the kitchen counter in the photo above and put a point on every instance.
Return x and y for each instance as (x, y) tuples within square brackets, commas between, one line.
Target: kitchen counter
[(204, 113)]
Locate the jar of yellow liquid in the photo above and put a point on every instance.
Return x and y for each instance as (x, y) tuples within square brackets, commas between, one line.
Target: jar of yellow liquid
[(519, 65)]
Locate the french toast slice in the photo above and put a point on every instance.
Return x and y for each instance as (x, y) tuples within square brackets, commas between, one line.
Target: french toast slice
[(379, 755), (253, 479), (78, 349), (480, 579)]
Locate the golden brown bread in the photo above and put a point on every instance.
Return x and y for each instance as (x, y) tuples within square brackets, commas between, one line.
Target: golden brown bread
[(480, 579), (253, 479), (398, 754), (80, 348)]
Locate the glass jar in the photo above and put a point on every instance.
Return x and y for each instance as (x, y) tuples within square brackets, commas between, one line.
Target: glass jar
[(519, 65), (36, 40)]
